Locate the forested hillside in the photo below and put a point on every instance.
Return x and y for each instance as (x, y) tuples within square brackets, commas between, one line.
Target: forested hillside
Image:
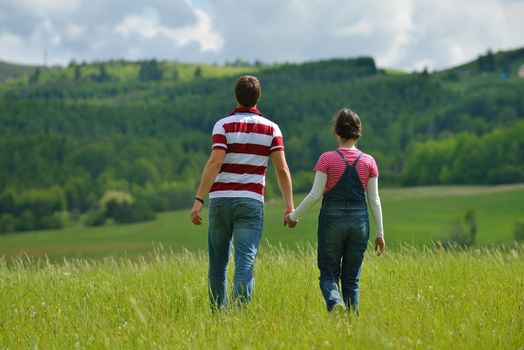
[(123, 140), (8, 70)]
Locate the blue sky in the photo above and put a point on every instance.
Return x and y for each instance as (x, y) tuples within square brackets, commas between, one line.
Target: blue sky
[(403, 34)]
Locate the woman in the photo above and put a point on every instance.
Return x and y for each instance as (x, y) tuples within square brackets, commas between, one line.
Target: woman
[(343, 177)]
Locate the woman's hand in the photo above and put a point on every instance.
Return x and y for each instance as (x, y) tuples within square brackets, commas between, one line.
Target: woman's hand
[(288, 222), (380, 245)]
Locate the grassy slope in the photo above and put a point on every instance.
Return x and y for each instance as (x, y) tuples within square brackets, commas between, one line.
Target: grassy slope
[(126, 72), (472, 67), (416, 216), (412, 298), (10, 71)]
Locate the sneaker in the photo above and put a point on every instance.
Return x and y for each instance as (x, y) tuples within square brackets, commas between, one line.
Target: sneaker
[(339, 309), (355, 310)]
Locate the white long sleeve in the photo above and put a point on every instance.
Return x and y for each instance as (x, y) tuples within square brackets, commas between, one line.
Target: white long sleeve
[(317, 191), (375, 205)]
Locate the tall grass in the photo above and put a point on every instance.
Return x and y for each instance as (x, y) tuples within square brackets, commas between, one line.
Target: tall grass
[(411, 298)]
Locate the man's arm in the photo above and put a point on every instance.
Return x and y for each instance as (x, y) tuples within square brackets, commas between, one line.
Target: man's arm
[(284, 179), (209, 175)]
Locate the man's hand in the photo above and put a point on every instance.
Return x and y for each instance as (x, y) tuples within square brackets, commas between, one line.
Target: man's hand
[(380, 245), (284, 179), (288, 222), (213, 165), (286, 212), (195, 213)]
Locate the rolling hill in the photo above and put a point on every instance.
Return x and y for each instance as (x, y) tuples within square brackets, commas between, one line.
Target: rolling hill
[(69, 135), (11, 71)]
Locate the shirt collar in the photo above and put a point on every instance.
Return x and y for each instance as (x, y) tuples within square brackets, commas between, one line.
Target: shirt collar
[(246, 110)]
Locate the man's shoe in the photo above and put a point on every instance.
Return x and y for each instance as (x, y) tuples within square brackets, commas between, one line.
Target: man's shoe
[(339, 309)]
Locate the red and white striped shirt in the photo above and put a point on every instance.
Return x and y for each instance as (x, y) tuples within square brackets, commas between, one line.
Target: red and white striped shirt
[(248, 139), (332, 164)]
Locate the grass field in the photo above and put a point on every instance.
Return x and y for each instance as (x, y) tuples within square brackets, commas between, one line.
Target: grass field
[(412, 215), (127, 71), (412, 298)]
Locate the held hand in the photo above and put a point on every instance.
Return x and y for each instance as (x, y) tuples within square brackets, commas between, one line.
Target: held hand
[(195, 213), (286, 212), (290, 223), (380, 245)]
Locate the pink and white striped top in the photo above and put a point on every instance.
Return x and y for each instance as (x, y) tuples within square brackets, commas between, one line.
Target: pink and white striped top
[(248, 139), (332, 164)]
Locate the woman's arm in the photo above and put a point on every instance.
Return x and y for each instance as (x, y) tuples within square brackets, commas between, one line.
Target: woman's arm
[(375, 205), (376, 211), (319, 184)]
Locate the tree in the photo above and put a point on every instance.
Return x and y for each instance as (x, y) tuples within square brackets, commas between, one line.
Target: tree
[(95, 217), (518, 231), (175, 75), (486, 63), (198, 73), (26, 221), (35, 76), (471, 221), (102, 75), (150, 70), (78, 72), (7, 223)]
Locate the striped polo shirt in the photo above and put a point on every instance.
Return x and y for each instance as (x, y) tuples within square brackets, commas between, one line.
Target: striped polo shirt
[(248, 139)]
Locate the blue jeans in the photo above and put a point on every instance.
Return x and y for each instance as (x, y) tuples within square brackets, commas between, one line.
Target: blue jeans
[(239, 220), (343, 235)]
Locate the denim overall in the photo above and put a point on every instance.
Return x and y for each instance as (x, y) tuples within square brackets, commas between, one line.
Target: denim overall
[(343, 233)]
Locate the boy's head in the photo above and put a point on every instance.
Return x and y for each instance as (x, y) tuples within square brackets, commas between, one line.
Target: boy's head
[(247, 91)]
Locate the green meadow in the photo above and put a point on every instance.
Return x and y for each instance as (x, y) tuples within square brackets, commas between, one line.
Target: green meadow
[(417, 216), (411, 298), (145, 285)]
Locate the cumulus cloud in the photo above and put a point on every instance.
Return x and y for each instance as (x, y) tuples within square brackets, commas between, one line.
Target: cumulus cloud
[(148, 27), (97, 29), (406, 34)]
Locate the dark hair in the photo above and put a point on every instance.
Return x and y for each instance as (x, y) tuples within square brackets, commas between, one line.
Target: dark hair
[(347, 124), (247, 91)]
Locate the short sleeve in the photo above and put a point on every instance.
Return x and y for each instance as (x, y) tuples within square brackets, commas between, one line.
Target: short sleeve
[(322, 163), (277, 144), (373, 168), (219, 136)]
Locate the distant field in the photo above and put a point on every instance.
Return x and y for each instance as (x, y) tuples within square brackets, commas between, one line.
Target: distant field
[(12, 74), (413, 215)]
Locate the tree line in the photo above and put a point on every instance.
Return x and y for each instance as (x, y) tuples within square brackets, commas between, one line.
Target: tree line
[(122, 151)]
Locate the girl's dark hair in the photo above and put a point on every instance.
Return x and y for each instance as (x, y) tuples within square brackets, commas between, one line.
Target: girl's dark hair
[(347, 124)]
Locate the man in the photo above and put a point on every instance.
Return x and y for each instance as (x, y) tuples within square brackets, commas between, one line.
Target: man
[(234, 178)]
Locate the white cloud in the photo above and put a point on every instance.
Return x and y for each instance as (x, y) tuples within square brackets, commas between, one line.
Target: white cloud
[(42, 7), (74, 31), (408, 34), (96, 29), (402, 34), (360, 28), (200, 32)]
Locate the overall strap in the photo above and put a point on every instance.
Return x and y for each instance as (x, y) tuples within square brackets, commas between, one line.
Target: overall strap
[(356, 160), (346, 161), (343, 158)]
